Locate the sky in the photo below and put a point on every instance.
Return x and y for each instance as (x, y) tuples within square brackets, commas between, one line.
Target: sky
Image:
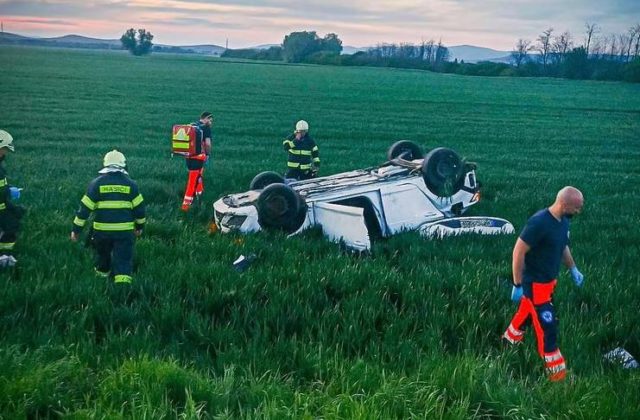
[(495, 24)]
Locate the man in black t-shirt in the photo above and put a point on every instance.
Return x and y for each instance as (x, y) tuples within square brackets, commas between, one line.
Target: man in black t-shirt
[(541, 247), (196, 162)]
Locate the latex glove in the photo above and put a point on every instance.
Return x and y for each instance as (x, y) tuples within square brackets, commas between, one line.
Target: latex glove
[(15, 192), (516, 293), (73, 237), (578, 277), (206, 161)]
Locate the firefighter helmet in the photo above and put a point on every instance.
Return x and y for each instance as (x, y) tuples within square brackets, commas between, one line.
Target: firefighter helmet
[(114, 158), (6, 140), (302, 125)]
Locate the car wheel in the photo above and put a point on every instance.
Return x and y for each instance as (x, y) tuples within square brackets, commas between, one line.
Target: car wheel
[(405, 149), (280, 208), (263, 179), (443, 172)]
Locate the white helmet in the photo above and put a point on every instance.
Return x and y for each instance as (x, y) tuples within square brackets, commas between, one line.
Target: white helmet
[(6, 140), (302, 125), (114, 158)]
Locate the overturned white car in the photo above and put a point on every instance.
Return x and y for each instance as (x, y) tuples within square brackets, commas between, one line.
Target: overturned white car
[(408, 192)]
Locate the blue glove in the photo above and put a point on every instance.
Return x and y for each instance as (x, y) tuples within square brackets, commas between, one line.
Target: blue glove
[(516, 293), (15, 192), (578, 277)]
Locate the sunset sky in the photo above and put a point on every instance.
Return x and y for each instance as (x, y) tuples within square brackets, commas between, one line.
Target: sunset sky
[(494, 23)]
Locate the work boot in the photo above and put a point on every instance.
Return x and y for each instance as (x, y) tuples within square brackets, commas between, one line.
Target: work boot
[(101, 273)]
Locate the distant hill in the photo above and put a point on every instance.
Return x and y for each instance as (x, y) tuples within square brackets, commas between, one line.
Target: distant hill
[(263, 46), (79, 41), (473, 54), (347, 49)]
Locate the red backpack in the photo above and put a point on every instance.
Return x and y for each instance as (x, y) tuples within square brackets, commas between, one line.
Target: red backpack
[(184, 138)]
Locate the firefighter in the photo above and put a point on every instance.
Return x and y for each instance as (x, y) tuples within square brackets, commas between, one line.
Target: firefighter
[(119, 218), (10, 214), (304, 157), (538, 252), (196, 162)]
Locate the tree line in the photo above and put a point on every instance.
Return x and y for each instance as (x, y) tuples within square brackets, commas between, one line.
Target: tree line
[(598, 57)]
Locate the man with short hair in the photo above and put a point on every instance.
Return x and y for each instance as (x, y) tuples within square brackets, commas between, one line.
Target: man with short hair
[(196, 162), (10, 214), (538, 252), (303, 154), (119, 218)]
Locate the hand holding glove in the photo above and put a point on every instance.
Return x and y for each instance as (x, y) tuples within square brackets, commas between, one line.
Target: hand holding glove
[(578, 277), (516, 293)]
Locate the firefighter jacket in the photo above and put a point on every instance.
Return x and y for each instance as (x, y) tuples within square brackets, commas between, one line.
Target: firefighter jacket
[(5, 194), (301, 152), (117, 203)]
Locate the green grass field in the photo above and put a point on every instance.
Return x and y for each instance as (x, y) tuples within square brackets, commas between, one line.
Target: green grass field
[(309, 332)]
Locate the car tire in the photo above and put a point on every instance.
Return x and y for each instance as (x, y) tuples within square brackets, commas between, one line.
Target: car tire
[(281, 208), (405, 149), (264, 179), (443, 172)]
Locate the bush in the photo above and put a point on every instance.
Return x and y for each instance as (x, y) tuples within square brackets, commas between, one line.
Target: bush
[(631, 71)]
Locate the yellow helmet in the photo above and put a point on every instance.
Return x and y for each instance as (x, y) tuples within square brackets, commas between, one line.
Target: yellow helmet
[(6, 140), (302, 125), (115, 158)]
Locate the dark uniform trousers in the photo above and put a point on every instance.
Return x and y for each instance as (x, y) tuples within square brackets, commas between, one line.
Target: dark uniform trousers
[(115, 255)]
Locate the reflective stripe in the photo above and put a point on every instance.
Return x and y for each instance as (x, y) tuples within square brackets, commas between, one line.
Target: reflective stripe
[(141, 221), (113, 227), (550, 357), (3, 206), (101, 273), (124, 189), (288, 143), (315, 149), (298, 166), (79, 222), (514, 331), (122, 278), (6, 246), (137, 201), (91, 205), (114, 204), (300, 152), (317, 160), (3, 182), (555, 369)]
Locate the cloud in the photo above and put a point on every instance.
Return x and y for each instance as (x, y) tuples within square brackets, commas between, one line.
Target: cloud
[(493, 23)]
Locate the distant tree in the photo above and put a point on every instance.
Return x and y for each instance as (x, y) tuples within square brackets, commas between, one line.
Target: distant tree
[(297, 45), (137, 42), (590, 30), (561, 46), (519, 54), (331, 43), (544, 46)]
